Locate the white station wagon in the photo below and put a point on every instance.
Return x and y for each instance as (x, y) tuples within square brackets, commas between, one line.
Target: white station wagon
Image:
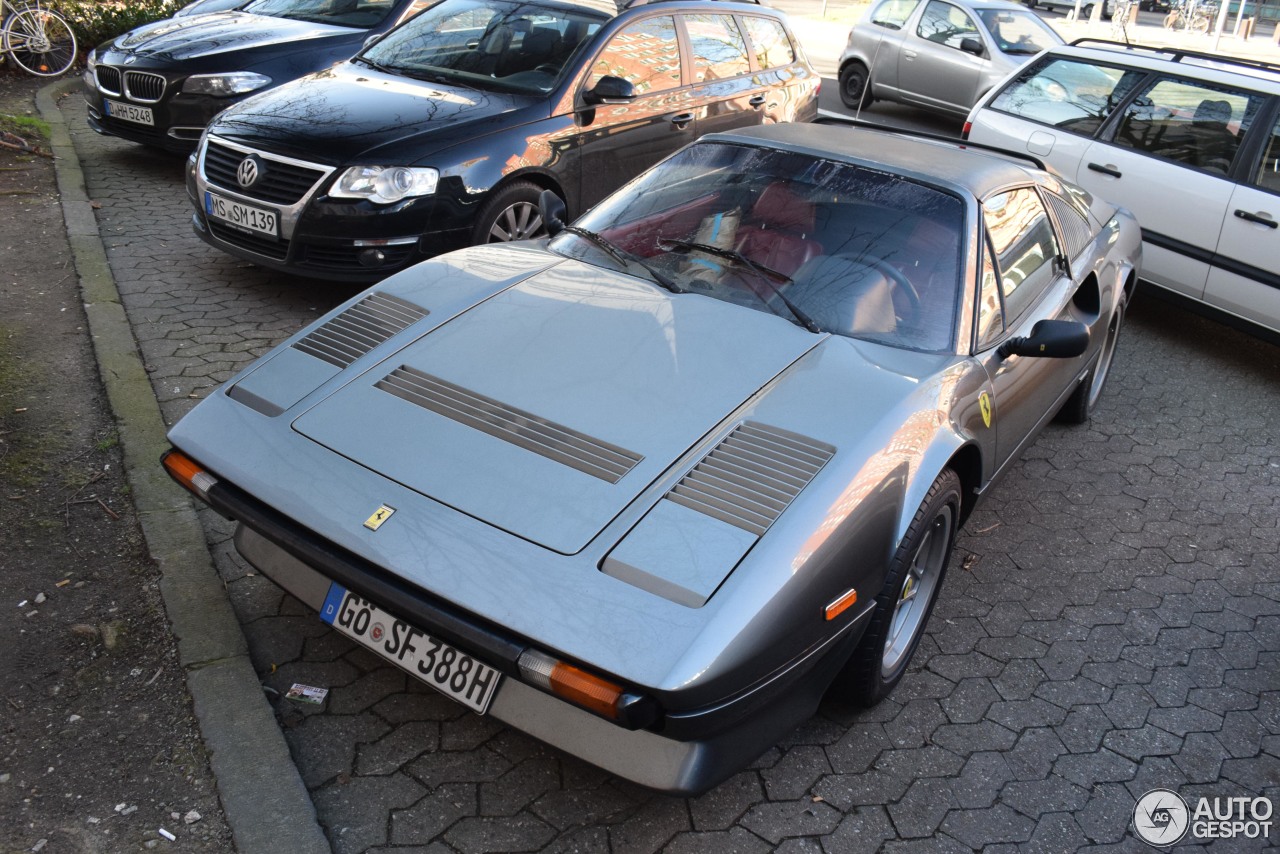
[(1190, 143)]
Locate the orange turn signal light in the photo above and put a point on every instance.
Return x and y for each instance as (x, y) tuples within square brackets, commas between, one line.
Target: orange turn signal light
[(571, 683), (841, 604), (188, 473)]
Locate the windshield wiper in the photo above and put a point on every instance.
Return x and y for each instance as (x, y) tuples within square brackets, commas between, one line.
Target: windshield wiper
[(626, 259), (765, 273), (377, 66)]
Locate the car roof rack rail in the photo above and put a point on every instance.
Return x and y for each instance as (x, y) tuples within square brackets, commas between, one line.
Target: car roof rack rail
[(1177, 54), (631, 4), (935, 137)]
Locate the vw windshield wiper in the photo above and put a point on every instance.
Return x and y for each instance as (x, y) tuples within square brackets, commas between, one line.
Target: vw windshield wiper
[(626, 259), (378, 66), (765, 273)]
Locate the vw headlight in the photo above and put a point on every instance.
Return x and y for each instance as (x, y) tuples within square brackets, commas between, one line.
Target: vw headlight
[(385, 184), (224, 85)]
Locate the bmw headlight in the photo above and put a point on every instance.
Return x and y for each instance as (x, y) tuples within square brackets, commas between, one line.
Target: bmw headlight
[(224, 85), (385, 184), (90, 75)]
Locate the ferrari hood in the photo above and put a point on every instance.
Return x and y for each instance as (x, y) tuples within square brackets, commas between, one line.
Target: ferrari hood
[(199, 36), (548, 408)]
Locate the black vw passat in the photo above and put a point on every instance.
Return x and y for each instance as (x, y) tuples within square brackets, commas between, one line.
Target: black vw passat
[(444, 132), (160, 84)]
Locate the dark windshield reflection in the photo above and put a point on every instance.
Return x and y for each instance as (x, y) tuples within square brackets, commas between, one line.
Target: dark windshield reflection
[(343, 13), (500, 45), (859, 252)]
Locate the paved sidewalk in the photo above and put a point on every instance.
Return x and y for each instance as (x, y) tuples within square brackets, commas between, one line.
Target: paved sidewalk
[(1111, 625)]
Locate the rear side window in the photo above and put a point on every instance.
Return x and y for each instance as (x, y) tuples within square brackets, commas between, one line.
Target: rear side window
[(1074, 227), (1071, 94), (647, 53), (719, 50), (946, 24), (769, 38), (1268, 176), (1197, 124), (893, 13)]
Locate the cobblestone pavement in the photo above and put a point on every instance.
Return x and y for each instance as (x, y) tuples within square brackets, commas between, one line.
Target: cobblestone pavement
[(1111, 624)]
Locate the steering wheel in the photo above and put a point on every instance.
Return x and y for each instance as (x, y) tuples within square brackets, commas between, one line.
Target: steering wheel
[(548, 68), (895, 276)]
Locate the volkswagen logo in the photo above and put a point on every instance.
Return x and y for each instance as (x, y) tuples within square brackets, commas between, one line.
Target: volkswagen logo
[(249, 170)]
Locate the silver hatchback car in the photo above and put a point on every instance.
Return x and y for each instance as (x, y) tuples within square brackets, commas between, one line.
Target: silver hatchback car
[(938, 54)]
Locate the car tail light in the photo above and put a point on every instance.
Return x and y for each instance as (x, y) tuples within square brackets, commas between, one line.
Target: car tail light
[(964, 132), (587, 690), (188, 473)]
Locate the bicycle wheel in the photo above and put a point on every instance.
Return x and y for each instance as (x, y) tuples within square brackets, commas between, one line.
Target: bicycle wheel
[(1171, 20), (39, 41), (1200, 24)]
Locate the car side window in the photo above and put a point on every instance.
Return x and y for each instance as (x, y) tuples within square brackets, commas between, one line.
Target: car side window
[(1268, 175), (769, 38), (990, 306), (718, 48), (646, 53), (946, 24), (1024, 246), (1194, 123), (893, 14), (1071, 94)]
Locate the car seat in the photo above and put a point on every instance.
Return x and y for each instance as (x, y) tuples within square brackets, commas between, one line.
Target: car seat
[(1214, 143), (776, 234), (484, 59)]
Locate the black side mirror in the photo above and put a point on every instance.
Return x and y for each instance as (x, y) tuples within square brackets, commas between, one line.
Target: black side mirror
[(610, 90), (1053, 339), (551, 209), (973, 46)]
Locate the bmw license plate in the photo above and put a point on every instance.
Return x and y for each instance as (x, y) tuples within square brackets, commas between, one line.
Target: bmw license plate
[(240, 215), (443, 667), (129, 112)]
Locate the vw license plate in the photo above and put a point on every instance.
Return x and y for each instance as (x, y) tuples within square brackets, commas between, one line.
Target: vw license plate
[(129, 112), (443, 667), (240, 215)]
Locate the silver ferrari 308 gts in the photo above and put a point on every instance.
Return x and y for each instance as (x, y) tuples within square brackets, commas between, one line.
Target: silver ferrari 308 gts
[(648, 490)]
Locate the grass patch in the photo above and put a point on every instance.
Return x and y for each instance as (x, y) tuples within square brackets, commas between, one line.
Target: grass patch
[(28, 127)]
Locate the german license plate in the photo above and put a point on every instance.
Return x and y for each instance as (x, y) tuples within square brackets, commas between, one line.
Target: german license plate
[(129, 112), (443, 667), (240, 215)]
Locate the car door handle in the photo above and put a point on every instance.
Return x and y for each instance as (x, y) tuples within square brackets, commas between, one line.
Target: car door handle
[(1105, 170), (1260, 220), (757, 101), (908, 53), (681, 119)]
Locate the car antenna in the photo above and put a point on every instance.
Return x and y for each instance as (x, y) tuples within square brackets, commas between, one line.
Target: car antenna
[(866, 87)]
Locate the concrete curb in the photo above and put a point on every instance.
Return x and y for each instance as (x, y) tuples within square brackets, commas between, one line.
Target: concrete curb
[(266, 804)]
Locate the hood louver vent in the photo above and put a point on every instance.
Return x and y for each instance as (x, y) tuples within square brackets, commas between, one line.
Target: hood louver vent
[(360, 328), (523, 429), (751, 476)]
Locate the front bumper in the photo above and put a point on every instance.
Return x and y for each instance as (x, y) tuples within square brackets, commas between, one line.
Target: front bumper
[(679, 751), (179, 118), (336, 240)]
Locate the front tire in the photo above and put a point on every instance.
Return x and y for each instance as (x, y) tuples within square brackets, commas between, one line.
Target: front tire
[(511, 214), (1084, 400), (903, 607), (855, 86)]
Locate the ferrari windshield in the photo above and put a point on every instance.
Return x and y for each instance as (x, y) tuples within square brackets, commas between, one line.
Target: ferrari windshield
[(835, 247), (487, 43)]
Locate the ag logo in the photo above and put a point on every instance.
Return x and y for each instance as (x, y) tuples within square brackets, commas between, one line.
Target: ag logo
[(984, 403), (1161, 818), (249, 171)]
